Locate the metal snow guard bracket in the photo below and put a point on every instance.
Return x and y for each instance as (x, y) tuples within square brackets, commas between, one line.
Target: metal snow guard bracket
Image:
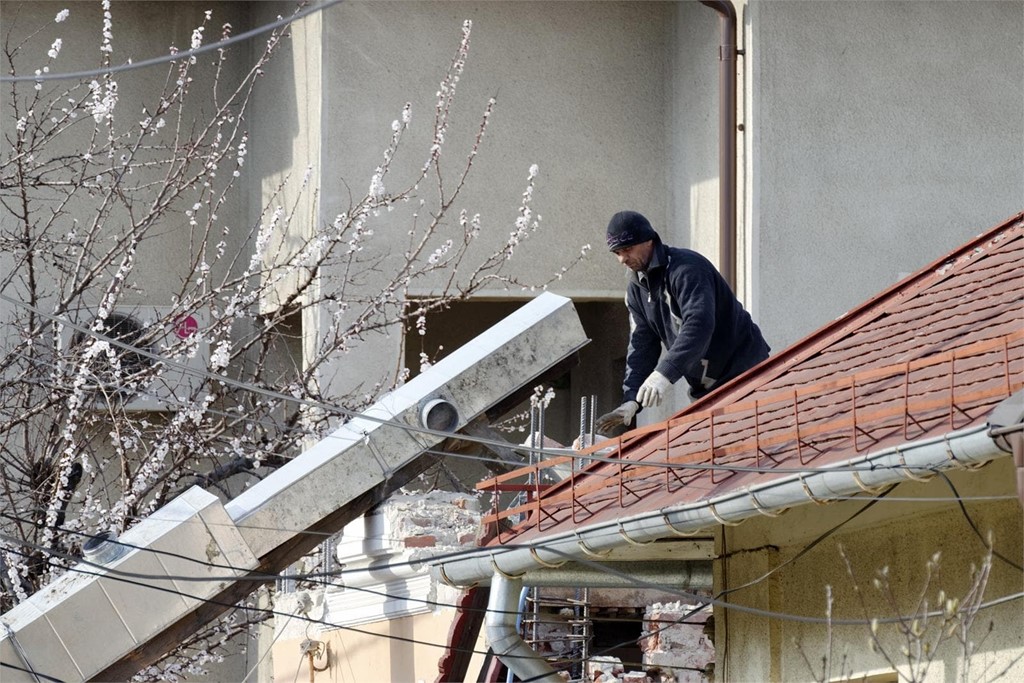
[(367, 450), (186, 552)]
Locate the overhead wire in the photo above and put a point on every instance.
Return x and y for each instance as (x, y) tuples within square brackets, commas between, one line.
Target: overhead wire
[(175, 56), (33, 672), (701, 600), (593, 457), (974, 527), (523, 448), (314, 576), (809, 546), (611, 528), (265, 610), (268, 27), (338, 410), (121, 575)]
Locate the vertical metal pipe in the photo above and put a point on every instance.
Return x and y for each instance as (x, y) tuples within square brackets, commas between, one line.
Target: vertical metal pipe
[(533, 434), (540, 429), (583, 424), (504, 639), (593, 419), (726, 137)]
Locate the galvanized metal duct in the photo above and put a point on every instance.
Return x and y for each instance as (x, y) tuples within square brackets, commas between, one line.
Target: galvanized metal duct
[(52, 635)]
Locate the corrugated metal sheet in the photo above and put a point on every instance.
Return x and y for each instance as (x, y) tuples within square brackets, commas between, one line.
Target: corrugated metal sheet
[(930, 355)]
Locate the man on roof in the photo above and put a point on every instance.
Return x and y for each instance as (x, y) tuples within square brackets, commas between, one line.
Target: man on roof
[(677, 299)]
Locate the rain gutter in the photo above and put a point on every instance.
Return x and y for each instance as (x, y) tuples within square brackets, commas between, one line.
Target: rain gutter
[(727, 53), (1006, 424), (913, 461)]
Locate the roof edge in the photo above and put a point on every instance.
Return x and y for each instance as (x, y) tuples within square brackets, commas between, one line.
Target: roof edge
[(777, 364), (912, 461)]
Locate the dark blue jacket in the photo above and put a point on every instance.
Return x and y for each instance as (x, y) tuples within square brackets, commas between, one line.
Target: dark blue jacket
[(684, 303)]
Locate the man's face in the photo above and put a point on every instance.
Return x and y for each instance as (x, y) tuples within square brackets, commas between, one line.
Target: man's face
[(635, 257)]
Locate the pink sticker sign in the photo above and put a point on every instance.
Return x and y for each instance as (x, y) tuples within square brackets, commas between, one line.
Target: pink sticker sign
[(185, 327)]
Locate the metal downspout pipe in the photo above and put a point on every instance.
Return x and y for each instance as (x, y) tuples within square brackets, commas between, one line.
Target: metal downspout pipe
[(726, 137), (503, 636), (503, 609)]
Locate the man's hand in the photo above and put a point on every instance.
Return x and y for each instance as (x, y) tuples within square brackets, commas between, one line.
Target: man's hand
[(652, 391), (621, 416)]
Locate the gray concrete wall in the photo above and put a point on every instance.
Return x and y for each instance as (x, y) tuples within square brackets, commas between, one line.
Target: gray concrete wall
[(140, 31), (579, 89), (884, 134), (285, 132), (693, 130), (581, 92)]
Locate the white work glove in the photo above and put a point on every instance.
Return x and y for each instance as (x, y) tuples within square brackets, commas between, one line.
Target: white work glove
[(652, 391), (623, 415)]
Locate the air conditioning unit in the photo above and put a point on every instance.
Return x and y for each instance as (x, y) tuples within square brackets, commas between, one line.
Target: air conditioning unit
[(163, 370)]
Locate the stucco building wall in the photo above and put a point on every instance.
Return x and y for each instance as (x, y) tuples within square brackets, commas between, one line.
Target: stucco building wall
[(883, 134), (581, 93)]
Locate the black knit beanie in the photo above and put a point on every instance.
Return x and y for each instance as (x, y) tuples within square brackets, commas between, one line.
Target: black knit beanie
[(627, 228)]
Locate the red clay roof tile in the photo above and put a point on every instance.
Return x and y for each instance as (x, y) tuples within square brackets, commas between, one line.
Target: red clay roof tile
[(932, 354)]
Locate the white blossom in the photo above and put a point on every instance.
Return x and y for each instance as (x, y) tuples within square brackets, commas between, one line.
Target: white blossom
[(55, 48), (108, 26), (221, 356), (104, 99), (62, 15), (377, 184)]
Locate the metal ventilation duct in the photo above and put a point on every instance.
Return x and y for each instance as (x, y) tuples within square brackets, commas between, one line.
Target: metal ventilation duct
[(74, 627), (371, 448), (185, 558)]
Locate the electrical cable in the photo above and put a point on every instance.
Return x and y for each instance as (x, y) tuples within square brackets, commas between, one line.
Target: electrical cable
[(311, 576), (411, 428), (32, 672), (974, 527), (316, 578), (118, 575), (276, 613), (440, 558), (784, 616), (638, 582), (807, 548), (554, 453), (184, 54)]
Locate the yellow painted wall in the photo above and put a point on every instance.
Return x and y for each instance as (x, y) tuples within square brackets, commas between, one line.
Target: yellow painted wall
[(372, 653), (900, 535)]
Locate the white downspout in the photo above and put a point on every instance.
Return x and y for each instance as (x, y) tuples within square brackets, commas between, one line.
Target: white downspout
[(503, 637)]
